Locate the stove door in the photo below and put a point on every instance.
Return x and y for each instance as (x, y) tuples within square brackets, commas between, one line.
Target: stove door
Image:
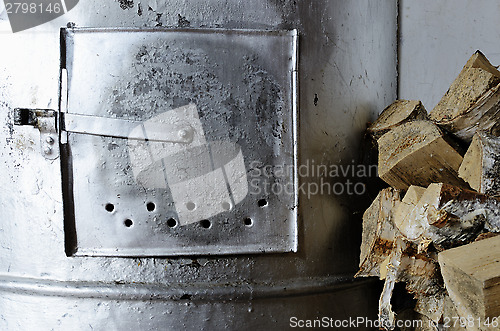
[(179, 142)]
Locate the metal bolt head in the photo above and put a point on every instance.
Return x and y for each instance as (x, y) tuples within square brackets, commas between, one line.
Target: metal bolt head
[(49, 140), (47, 151), (183, 133)]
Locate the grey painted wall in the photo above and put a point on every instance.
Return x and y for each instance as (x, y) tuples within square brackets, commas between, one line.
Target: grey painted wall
[(437, 38)]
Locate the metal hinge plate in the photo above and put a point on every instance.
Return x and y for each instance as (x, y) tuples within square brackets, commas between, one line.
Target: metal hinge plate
[(46, 122)]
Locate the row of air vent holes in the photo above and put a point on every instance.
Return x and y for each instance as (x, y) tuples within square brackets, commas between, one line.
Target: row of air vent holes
[(172, 222)]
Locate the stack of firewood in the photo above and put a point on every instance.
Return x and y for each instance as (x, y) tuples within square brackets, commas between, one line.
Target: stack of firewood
[(424, 230)]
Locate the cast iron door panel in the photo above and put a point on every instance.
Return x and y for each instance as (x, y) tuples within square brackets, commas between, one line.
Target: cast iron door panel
[(179, 142)]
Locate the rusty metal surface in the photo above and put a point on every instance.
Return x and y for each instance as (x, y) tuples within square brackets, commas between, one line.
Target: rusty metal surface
[(347, 75)]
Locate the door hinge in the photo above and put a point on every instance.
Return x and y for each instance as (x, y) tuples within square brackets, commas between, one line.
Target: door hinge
[(45, 120)]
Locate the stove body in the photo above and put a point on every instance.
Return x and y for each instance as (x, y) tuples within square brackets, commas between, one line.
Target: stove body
[(330, 68)]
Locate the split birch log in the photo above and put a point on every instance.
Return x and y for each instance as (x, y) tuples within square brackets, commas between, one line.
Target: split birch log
[(417, 268), (377, 250), (420, 270), (417, 153), (448, 216), (378, 232), (444, 216), (472, 101), (385, 314), (413, 265), (399, 112), (472, 277), (378, 244), (422, 278), (458, 215), (420, 273), (481, 165), (404, 214)]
